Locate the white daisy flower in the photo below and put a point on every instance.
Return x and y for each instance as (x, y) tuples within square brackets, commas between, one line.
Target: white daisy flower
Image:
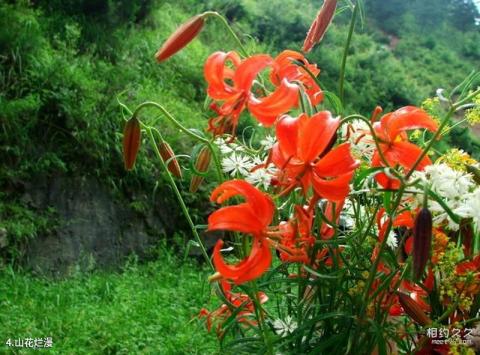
[(471, 208), (227, 147), (261, 177), (453, 187), (268, 142), (285, 327), (448, 183), (392, 240), (237, 164)]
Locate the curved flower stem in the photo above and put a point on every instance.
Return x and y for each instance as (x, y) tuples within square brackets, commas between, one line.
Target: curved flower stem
[(224, 21), (260, 318), (170, 118), (466, 99), (372, 131), (179, 197), (185, 130), (401, 190), (345, 53), (431, 142)]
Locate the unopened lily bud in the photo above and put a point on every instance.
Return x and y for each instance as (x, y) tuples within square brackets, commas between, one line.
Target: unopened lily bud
[(181, 37), (413, 309), (169, 156), (422, 240), (376, 112), (202, 163), (320, 25), (466, 231), (131, 142)]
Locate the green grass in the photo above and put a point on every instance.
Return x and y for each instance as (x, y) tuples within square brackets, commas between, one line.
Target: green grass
[(148, 308)]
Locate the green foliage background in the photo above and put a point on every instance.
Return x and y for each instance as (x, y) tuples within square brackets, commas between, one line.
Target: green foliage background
[(64, 63)]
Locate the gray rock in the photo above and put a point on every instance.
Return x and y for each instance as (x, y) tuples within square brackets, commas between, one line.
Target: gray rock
[(94, 229)]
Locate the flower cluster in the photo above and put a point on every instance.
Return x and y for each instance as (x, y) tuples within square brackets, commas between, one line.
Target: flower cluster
[(351, 223)]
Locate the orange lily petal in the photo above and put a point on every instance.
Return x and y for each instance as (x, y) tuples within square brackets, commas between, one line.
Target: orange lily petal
[(315, 134), (267, 109), (258, 202), (406, 154), (407, 118), (240, 218), (287, 134), (336, 162), (248, 269), (335, 189), (216, 72), (248, 70)]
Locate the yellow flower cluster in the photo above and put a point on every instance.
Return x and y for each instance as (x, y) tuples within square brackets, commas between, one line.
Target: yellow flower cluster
[(450, 279), (457, 159), (473, 115), (457, 349), (433, 108), (359, 287)]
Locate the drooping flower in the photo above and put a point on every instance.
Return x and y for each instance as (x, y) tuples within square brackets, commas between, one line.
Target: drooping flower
[(181, 37), (422, 241), (294, 236), (168, 156), (230, 82), (202, 164), (131, 142), (251, 217), (286, 68), (320, 24), (240, 304), (304, 158), (394, 144)]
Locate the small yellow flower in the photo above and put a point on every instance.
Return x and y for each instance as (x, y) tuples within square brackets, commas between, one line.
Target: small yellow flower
[(457, 159), (473, 115), (432, 106)]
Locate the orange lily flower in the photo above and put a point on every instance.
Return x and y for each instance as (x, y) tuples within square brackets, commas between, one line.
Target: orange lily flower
[(471, 285), (303, 156), (394, 143), (232, 86), (296, 238), (285, 68), (251, 217), (224, 312)]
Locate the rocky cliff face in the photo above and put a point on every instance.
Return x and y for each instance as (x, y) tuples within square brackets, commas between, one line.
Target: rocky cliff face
[(94, 228)]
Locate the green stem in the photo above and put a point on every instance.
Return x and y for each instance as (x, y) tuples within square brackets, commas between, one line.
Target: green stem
[(466, 99), (345, 54), (431, 142), (171, 119), (448, 129), (185, 130), (372, 131), (259, 315), (180, 198), (224, 21)]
